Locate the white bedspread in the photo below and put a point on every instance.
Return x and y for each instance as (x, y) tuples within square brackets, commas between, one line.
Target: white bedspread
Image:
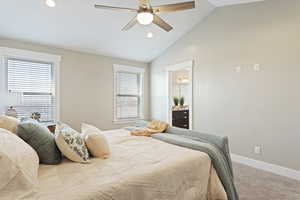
[(140, 168)]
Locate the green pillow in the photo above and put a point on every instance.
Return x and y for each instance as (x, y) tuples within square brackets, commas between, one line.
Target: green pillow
[(41, 140)]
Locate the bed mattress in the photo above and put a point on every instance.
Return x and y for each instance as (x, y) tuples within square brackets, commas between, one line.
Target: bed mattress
[(139, 168)]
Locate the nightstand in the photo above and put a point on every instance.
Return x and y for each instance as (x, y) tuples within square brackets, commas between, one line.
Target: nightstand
[(180, 118), (51, 128), (50, 125)]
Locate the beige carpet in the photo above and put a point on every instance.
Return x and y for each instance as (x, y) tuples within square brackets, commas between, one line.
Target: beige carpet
[(253, 184)]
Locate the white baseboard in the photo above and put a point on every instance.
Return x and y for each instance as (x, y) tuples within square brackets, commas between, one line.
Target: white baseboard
[(276, 169)]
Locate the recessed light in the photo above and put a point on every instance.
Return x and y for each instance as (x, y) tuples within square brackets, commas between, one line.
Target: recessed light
[(149, 35), (50, 3)]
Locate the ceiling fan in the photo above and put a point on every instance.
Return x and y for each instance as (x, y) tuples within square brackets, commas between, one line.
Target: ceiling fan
[(147, 14)]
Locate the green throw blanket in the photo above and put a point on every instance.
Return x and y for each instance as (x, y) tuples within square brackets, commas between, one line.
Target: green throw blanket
[(220, 162)]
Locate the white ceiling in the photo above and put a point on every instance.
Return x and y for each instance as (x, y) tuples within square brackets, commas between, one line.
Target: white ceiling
[(79, 26), (219, 3)]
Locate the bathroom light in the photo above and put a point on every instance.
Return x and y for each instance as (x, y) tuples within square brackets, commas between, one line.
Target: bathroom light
[(182, 80), (145, 18), (50, 3), (150, 35)]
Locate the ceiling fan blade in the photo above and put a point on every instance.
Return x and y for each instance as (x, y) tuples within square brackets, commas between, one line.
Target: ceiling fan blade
[(115, 8), (130, 24), (161, 23), (174, 7), (144, 4)]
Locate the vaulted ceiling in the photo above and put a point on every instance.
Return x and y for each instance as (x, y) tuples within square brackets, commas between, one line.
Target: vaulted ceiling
[(77, 25), (219, 3)]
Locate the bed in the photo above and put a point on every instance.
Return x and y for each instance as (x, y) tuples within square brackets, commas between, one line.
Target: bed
[(140, 168)]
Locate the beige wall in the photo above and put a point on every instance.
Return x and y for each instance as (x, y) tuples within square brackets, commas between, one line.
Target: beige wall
[(252, 108), (86, 85)]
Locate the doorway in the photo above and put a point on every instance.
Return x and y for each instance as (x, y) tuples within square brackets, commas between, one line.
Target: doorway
[(180, 95)]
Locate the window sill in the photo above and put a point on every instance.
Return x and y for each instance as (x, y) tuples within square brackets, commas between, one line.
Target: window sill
[(48, 123), (125, 121)]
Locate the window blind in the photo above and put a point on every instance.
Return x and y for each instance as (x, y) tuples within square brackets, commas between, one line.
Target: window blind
[(128, 95), (35, 80)]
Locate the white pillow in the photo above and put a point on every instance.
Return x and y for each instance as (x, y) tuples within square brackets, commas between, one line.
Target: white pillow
[(9, 123), (95, 141), (19, 168), (70, 143)]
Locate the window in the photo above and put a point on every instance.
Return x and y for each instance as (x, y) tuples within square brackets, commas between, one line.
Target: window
[(36, 82), (128, 93)]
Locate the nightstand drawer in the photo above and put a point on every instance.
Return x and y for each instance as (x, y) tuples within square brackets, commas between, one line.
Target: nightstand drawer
[(181, 118), (180, 121), (182, 114), (181, 125)]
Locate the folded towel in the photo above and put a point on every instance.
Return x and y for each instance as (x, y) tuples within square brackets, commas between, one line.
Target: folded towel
[(153, 127)]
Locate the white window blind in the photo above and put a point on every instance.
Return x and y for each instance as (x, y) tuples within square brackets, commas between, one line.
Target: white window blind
[(35, 80), (128, 95)]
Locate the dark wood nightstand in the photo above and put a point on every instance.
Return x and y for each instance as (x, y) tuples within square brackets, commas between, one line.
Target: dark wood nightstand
[(180, 118), (51, 127)]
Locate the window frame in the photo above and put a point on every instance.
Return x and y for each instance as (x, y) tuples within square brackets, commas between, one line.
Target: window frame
[(135, 70), (31, 56)]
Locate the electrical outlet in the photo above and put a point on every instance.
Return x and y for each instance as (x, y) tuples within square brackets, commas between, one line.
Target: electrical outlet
[(257, 150)]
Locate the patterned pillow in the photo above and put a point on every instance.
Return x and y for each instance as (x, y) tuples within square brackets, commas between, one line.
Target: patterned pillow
[(70, 143)]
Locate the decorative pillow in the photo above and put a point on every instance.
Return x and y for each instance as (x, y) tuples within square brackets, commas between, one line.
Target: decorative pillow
[(95, 141), (19, 168), (71, 144), (9, 123), (87, 128), (41, 140)]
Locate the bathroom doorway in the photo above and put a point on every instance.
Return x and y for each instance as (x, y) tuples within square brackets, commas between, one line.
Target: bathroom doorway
[(180, 95)]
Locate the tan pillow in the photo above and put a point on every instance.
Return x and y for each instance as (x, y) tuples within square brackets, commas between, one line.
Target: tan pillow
[(9, 123), (87, 128), (19, 168), (95, 141), (71, 144)]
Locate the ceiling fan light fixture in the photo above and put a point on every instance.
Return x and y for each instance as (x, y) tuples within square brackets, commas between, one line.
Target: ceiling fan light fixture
[(145, 18), (50, 3), (146, 14)]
